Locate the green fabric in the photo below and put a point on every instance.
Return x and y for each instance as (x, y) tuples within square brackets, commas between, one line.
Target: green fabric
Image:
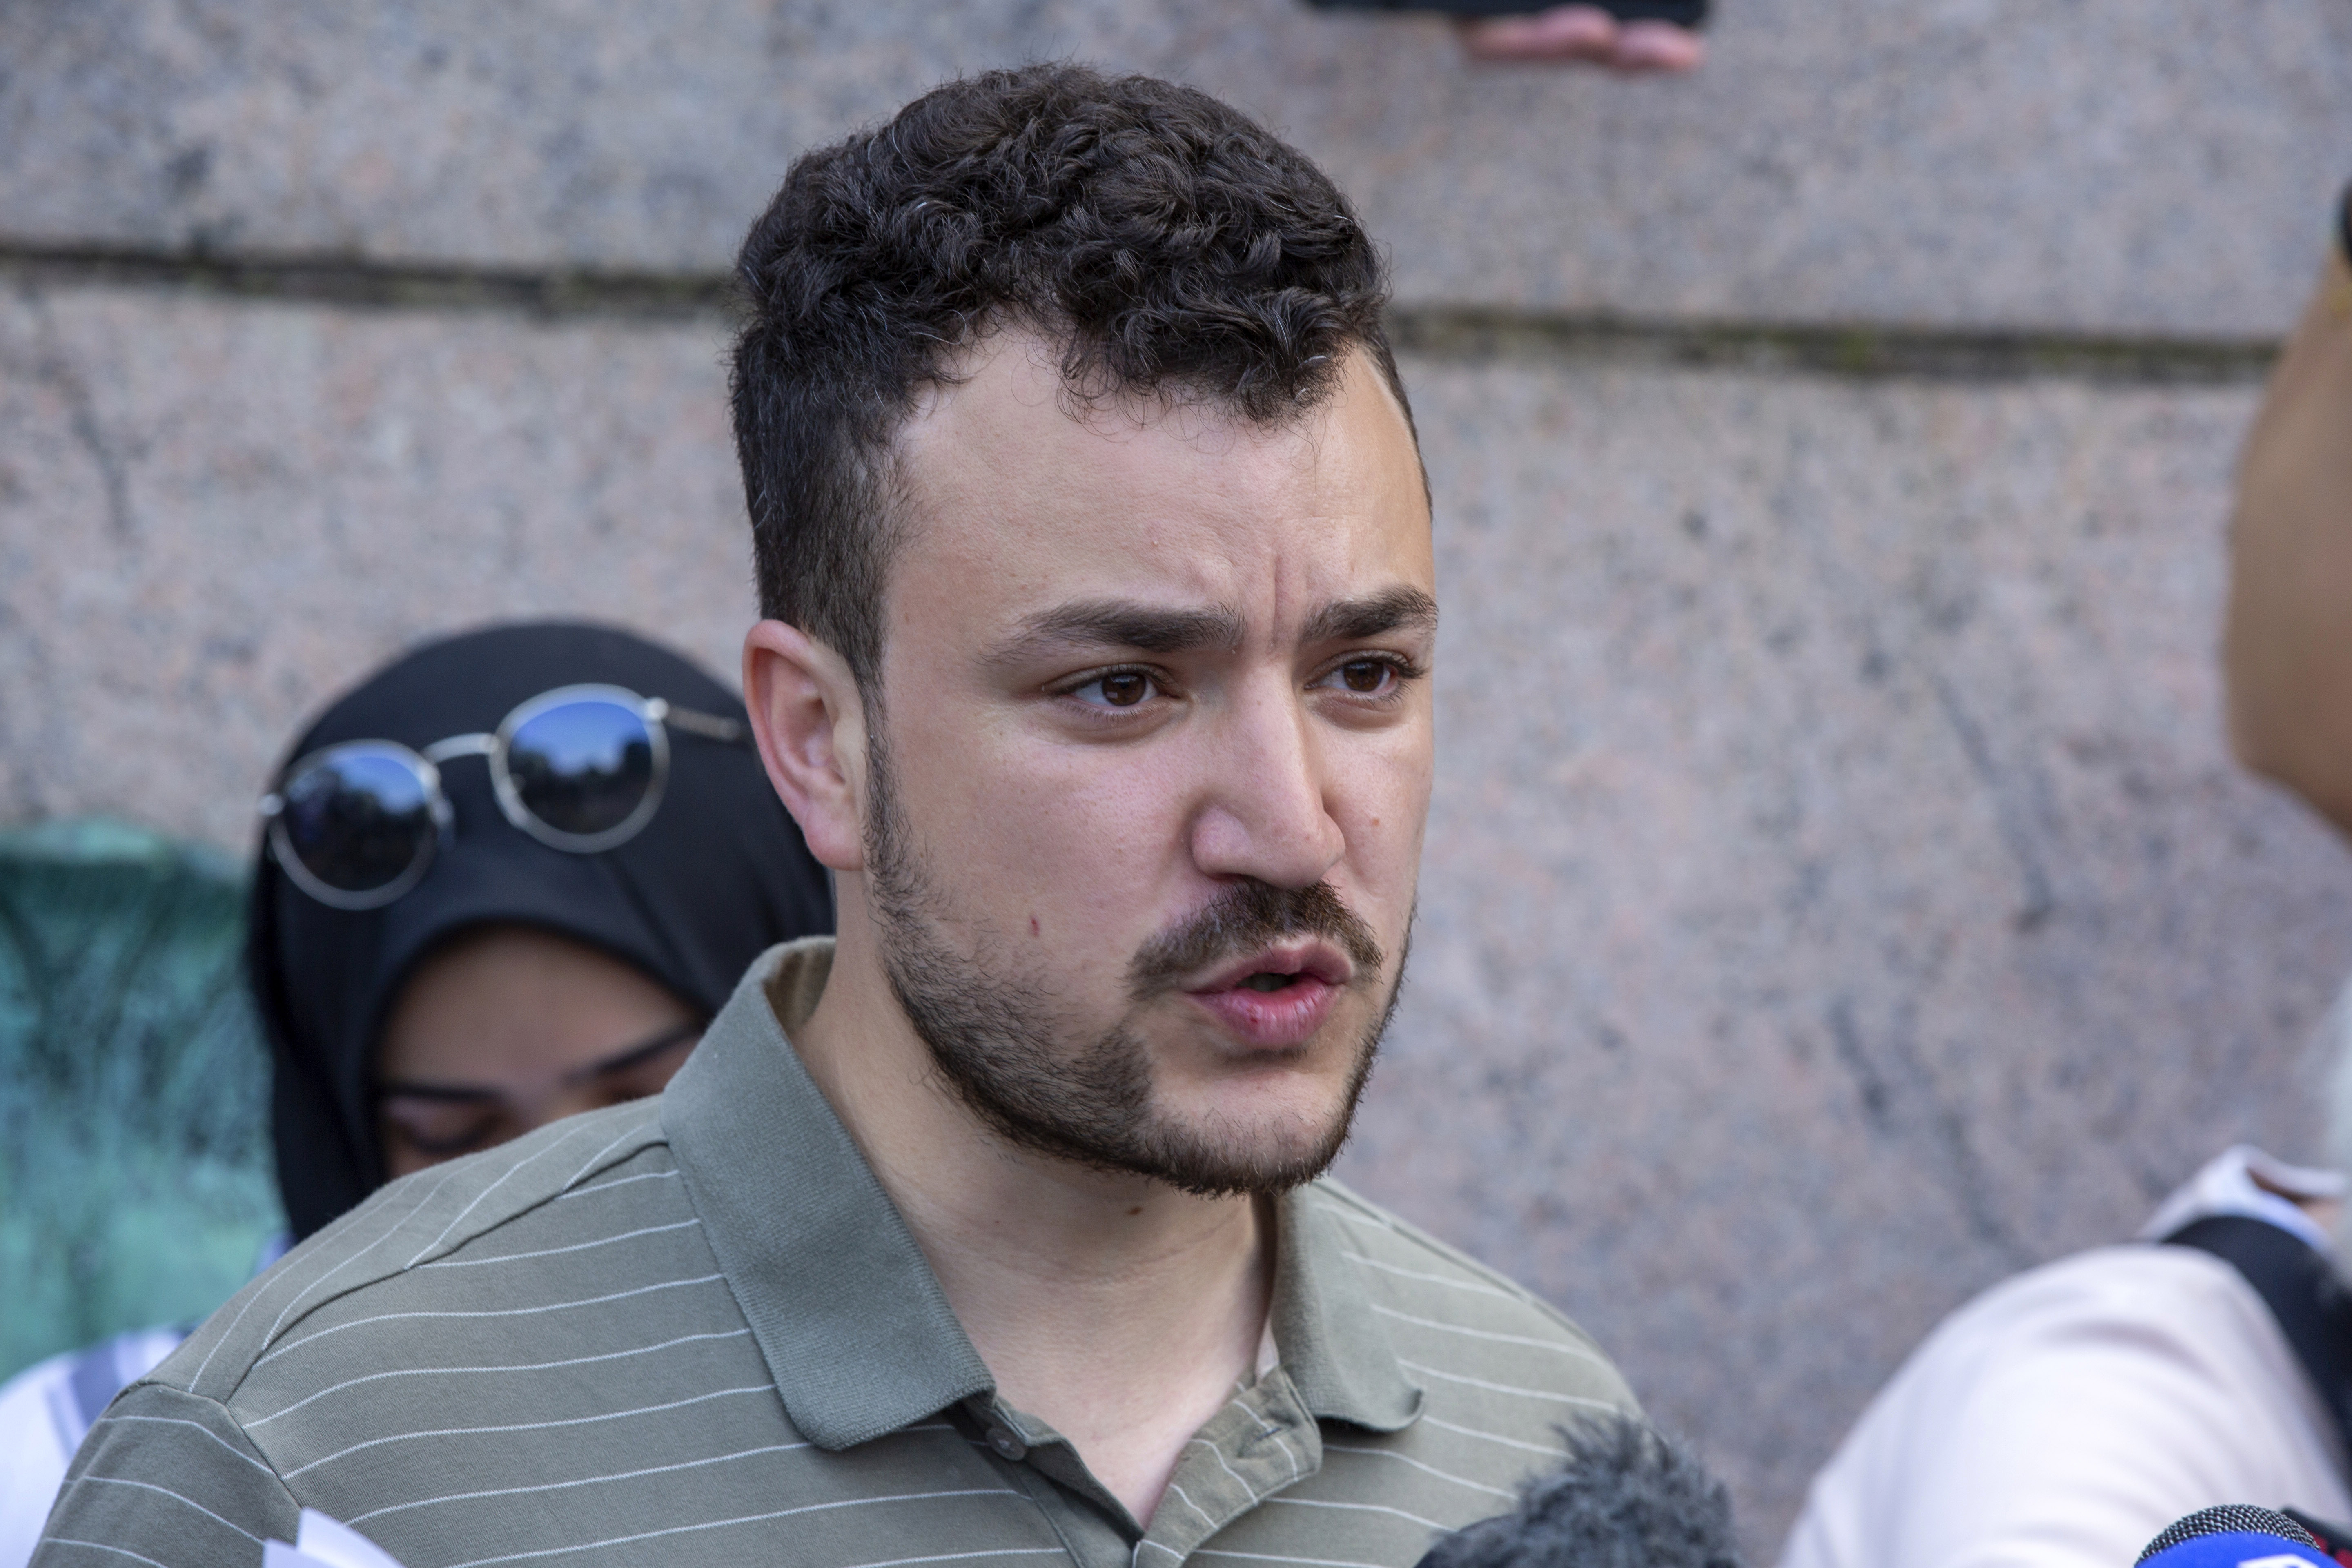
[(654, 1334), (135, 1184), (866, 1344)]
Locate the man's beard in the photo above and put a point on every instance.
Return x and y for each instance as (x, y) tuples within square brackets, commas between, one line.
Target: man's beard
[(995, 1037)]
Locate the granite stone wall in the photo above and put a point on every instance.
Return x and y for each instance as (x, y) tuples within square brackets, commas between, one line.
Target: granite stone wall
[(1838, 895)]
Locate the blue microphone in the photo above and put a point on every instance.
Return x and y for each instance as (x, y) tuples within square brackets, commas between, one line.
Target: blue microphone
[(2234, 1536)]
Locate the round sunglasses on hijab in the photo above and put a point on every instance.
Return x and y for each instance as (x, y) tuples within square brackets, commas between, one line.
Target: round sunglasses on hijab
[(580, 768)]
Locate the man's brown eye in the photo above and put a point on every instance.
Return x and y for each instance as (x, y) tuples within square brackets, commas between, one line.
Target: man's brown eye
[(1125, 691), (1363, 674)]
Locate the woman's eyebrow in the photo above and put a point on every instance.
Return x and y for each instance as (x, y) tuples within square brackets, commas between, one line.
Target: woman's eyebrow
[(456, 1093), (643, 1050)]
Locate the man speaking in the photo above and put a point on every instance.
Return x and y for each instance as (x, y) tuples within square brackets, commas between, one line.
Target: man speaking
[(1096, 551)]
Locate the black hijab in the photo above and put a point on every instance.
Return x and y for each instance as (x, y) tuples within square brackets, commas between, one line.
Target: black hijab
[(719, 874)]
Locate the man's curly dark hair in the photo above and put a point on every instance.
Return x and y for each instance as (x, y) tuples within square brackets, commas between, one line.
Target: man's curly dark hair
[(1171, 245)]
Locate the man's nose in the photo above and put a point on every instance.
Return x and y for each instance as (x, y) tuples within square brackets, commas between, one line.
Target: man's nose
[(1263, 811)]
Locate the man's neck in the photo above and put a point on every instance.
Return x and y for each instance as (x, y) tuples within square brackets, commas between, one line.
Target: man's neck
[(1116, 1308)]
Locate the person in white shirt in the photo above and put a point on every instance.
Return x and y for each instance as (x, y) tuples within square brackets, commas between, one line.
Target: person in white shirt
[(2065, 1417)]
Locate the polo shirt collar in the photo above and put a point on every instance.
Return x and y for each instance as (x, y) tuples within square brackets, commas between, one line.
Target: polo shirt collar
[(1330, 1341), (853, 1323), (844, 1306)]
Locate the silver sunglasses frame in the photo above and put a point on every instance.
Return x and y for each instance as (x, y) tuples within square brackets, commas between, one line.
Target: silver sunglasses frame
[(654, 712)]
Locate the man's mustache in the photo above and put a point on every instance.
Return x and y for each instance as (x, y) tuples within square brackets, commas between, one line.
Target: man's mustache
[(1243, 919)]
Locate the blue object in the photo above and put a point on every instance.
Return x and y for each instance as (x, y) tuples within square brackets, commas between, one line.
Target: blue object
[(2239, 1549)]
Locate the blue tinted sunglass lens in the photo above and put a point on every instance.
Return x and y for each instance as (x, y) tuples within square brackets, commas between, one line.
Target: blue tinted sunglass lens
[(358, 817), (582, 768)]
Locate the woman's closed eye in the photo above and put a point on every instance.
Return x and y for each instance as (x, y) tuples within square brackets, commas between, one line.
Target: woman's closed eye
[(441, 1128)]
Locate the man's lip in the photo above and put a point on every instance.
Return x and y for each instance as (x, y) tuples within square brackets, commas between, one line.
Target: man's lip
[(1315, 960)]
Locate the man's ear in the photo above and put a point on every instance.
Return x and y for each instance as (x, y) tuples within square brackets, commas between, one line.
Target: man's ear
[(811, 726)]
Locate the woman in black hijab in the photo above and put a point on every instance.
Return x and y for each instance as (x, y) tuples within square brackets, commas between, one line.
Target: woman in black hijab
[(534, 860), (569, 818)]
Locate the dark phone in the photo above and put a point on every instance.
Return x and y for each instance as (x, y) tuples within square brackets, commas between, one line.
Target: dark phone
[(1687, 13)]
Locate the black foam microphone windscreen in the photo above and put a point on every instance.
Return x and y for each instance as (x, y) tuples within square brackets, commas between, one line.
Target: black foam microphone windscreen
[(1625, 1497)]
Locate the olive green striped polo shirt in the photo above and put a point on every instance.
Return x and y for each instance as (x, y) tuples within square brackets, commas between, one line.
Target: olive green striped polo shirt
[(695, 1330)]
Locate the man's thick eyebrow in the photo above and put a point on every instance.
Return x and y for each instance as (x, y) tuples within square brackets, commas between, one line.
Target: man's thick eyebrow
[(1398, 609), (1121, 623)]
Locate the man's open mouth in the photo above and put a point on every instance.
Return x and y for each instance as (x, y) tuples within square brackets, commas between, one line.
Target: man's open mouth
[(1277, 997), (1278, 968)]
